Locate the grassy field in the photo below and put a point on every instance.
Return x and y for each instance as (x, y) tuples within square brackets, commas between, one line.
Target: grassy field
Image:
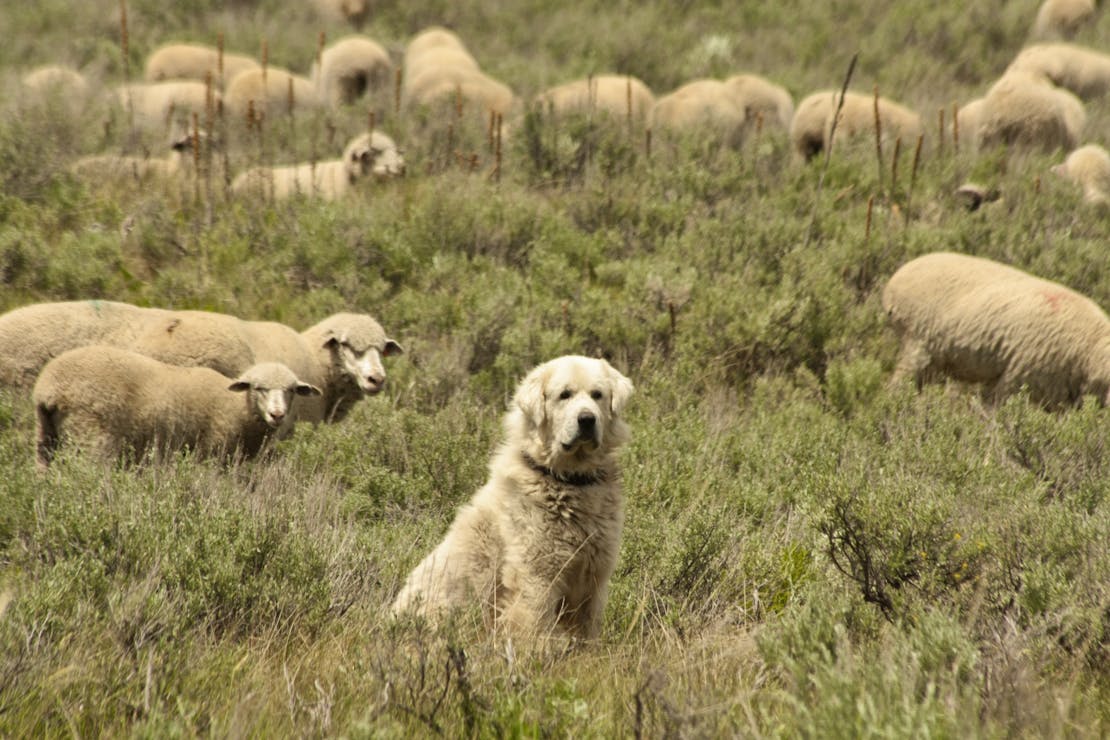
[(807, 552)]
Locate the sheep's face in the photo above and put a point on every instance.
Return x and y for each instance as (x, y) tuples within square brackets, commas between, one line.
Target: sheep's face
[(374, 155), (364, 368), (271, 389)]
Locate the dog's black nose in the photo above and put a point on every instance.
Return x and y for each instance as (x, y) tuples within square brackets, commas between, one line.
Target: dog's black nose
[(586, 421)]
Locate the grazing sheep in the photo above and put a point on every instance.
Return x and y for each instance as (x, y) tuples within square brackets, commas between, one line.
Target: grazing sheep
[(978, 321), (351, 68), (536, 545), (1062, 18), (269, 90), (1089, 167), (813, 119), (195, 62), (119, 403), (354, 12), (1023, 110), (701, 105), (620, 96), (483, 92), (163, 104), (431, 41), (1082, 71), (55, 78), (99, 167), (763, 100), (969, 118), (332, 179)]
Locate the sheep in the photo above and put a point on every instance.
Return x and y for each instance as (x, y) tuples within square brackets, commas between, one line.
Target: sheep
[(1023, 110), (482, 91), (1082, 71), (762, 100), (99, 167), (157, 104), (341, 355), (1062, 18), (968, 120), (31, 335), (269, 90), (195, 62), (978, 321), (1089, 167), (118, 403), (620, 96), (55, 78), (812, 124), (436, 39), (350, 68), (352, 11), (332, 179), (701, 105)]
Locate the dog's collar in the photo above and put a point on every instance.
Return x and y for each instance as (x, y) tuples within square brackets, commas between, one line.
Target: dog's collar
[(571, 479)]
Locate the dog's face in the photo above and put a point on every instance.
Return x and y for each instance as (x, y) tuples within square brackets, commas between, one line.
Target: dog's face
[(573, 405)]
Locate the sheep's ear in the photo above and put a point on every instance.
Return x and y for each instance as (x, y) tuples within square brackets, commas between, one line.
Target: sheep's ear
[(304, 389), (392, 348), (530, 396), (239, 386), (185, 142), (332, 338), (620, 389)]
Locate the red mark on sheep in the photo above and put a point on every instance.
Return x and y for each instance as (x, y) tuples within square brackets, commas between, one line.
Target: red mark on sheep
[(1053, 299)]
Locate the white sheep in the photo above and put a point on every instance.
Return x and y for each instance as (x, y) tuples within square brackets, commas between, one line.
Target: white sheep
[(195, 62), (1024, 110), (701, 105), (620, 96), (482, 92), (164, 104), (351, 68), (968, 120), (56, 78), (1083, 71), (1089, 167), (101, 167), (354, 12), (813, 119), (364, 157), (118, 403), (762, 100), (978, 321), (1062, 18), (271, 91), (436, 39), (341, 355)]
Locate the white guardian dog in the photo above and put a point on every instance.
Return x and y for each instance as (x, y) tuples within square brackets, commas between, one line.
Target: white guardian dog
[(536, 545)]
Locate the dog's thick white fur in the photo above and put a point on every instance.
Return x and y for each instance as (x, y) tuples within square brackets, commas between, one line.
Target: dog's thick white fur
[(536, 545)]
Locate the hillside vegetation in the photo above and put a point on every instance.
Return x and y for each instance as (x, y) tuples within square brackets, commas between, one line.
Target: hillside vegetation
[(807, 551)]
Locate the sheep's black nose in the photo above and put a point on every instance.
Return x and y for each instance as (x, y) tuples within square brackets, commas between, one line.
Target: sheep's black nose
[(586, 421)]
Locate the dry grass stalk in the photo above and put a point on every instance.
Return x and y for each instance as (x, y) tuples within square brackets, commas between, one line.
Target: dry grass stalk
[(647, 143), (497, 152), (955, 127), (371, 123), (829, 146), (628, 102), (290, 99), (196, 157), (867, 226), (397, 76), (913, 173), (878, 136), (321, 40), (758, 123), (491, 129), (220, 57), (894, 166), (124, 45), (940, 127)]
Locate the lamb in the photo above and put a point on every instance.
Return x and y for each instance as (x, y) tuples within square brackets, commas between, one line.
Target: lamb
[(812, 124), (763, 100), (701, 105), (195, 62), (350, 68), (620, 96), (352, 11), (1082, 71), (1023, 110), (269, 91), (367, 155), (1089, 167), (978, 321), (162, 104), (341, 355), (118, 403), (99, 167), (1062, 18)]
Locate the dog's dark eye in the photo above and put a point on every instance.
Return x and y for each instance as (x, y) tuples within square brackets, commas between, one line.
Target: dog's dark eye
[(596, 395), (565, 395)]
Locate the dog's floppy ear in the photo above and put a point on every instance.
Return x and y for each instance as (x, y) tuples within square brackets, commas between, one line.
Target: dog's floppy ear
[(621, 388), (530, 395)]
